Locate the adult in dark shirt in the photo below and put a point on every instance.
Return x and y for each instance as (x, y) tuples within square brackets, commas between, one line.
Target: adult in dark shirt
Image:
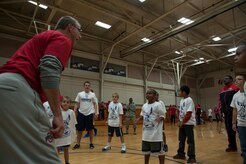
[(225, 98)]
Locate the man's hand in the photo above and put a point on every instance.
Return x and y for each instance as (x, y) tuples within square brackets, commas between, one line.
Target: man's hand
[(95, 116), (58, 127)]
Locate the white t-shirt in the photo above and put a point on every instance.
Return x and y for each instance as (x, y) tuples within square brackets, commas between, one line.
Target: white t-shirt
[(186, 105), (86, 102), (152, 131), (239, 102), (244, 87), (69, 133), (48, 111), (163, 107), (209, 112), (69, 120), (114, 112)]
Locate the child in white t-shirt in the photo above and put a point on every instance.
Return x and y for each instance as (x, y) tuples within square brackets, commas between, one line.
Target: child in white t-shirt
[(210, 116), (115, 113), (69, 121), (153, 115), (240, 58), (187, 122), (239, 113)]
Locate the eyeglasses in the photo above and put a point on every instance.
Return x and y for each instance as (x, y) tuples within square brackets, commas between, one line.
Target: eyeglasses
[(79, 29)]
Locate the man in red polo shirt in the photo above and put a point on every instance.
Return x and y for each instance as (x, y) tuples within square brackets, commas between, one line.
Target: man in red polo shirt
[(30, 77)]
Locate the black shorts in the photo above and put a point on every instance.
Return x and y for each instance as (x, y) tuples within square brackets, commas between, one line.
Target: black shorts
[(65, 146), (152, 147), (84, 122), (117, 130)]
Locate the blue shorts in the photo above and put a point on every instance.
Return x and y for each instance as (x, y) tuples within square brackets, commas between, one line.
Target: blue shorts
[(84, 122), (118, 131)]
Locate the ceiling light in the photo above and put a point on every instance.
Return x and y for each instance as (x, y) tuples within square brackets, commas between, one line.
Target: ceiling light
[(146, 40), (232, 49), (231, 54), (177, 52), (141, 1), (201, 58), (196, 60), (216, 39), (185, 21), (103, 25), (40, 5)]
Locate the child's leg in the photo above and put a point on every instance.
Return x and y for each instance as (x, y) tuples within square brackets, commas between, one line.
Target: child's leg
[(242, 136), (182, 138), (191, 141), (134, 124), (66, 154), (122, 139), (164, 137), (109, 139), (146, 158), (127, 124), (91, 135), (79, 136), (161, 159)]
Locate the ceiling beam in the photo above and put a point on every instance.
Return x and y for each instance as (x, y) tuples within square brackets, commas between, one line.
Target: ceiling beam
[(205, 17)]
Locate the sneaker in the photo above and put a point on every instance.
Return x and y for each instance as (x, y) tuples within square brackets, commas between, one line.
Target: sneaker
[(165, 148), (191, 160), (231, 149), (76, 146), (106, 148), (177, 156), (123, 149), (86, 135), (91, 146)]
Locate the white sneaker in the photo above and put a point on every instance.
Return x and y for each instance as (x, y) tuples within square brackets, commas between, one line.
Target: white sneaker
[(106, 148), (123, 149)]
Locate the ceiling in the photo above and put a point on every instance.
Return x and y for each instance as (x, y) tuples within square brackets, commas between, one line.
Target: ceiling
[(132, 20)]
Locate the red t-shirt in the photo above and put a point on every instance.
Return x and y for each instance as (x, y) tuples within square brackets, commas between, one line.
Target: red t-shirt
[(173, 111), (26, 59)]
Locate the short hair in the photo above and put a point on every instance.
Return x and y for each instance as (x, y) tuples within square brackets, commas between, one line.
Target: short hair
[(116, 94), (229, 76), (86, 82), (64, 21), (68, 99), (241, 74), (185, 89), (152, 91)]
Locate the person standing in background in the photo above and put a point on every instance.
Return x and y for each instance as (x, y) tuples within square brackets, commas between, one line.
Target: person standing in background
[(85, 110), (131, 115), (225, 98), (210, 116), (218, 117), (172, 111)]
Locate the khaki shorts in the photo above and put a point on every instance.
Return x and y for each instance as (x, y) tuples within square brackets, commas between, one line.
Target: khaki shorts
[(24, 136)]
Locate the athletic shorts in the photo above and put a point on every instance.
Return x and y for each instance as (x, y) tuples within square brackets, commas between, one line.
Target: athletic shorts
[(117, 130), (152, 147), (84, 122)]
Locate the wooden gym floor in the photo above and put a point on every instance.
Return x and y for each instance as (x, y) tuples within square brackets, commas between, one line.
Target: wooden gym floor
[(210, 148)]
